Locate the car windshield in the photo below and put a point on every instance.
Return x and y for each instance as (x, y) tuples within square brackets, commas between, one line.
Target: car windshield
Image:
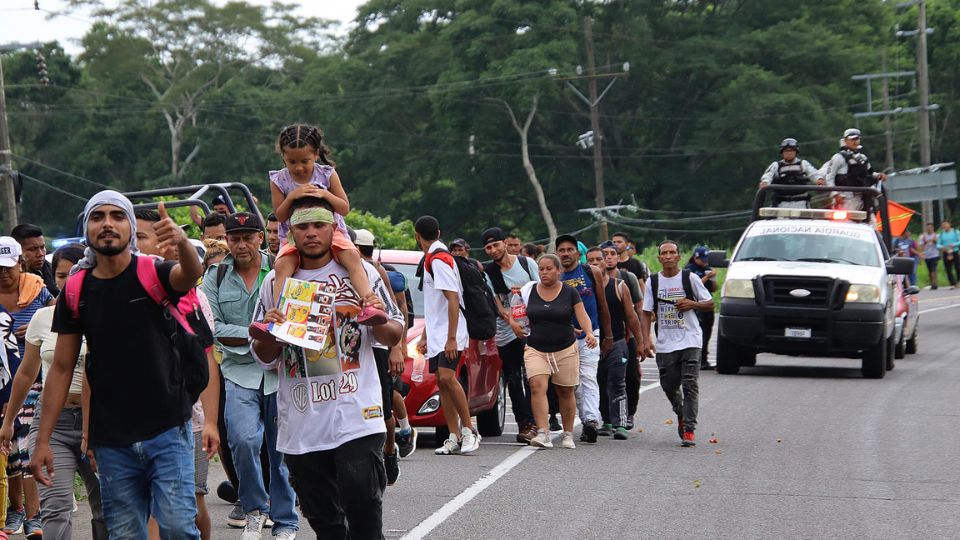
[(820, 248), (410, 272)]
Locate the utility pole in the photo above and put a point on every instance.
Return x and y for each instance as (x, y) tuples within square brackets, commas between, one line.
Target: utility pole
[(8, 201), (594, 137), (923, 97), (887, 122), (595, 124)]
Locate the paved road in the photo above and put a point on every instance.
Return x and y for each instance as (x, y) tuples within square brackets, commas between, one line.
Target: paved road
[(806, 448)]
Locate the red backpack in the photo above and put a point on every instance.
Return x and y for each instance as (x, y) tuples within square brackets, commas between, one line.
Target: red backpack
[(188, 344)]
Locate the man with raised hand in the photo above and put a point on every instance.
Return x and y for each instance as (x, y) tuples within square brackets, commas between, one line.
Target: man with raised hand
[(329, 405), (140, 428)]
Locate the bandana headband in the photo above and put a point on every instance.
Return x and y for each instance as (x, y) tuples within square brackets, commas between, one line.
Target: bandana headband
[(311, 215)]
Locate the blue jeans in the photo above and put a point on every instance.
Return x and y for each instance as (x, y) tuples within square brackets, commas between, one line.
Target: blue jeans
[(250, 415), (152, 477)]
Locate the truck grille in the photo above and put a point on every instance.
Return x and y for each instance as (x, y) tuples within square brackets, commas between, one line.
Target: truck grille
[(824, 292)]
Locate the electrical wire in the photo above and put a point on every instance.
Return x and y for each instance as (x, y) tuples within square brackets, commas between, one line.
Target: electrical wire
[(54, 188), (65, 173)]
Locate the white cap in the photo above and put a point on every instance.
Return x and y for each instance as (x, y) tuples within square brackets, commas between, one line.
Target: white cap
[(852, 132), (9, 252), (364, 238)]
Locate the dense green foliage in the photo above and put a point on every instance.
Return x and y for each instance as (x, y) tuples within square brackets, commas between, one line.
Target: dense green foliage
[(412, 104)]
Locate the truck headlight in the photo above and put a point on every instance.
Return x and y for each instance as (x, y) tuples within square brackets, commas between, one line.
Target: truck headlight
[(863, 293), (738, 288)]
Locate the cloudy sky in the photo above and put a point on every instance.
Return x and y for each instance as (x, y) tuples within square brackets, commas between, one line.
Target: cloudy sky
[(19, 22)]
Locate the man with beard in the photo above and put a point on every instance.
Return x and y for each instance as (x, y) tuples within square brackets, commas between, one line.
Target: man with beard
[(506, 274), (140, 427), (30, 238)]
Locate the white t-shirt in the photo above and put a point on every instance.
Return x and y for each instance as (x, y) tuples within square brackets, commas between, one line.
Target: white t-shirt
[(41, 334), (676, 330), (329, 397), (445, 277)]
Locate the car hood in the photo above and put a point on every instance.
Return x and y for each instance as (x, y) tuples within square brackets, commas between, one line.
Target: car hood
[(866, 275)]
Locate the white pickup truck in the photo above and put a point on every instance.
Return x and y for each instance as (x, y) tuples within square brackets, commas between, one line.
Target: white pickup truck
[(807, 282)]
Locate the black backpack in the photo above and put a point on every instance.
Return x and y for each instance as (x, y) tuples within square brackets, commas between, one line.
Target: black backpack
[(478, 309)]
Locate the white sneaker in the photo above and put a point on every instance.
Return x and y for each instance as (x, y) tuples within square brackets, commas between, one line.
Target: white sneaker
[(286, 535), (566, 441), (542, 440), (469, 441), (255, 522), (450, 447)]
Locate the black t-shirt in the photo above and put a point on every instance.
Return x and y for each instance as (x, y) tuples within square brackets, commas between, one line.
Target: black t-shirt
[(49, 278), (550, 329), (638, 268), (134, 375), (615, 305)]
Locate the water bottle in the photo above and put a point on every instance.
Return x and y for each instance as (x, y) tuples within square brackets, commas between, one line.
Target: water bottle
[(519, 311), (418, 364)]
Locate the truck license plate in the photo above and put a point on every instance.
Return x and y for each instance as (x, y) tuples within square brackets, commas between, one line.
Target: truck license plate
[(797, 333)]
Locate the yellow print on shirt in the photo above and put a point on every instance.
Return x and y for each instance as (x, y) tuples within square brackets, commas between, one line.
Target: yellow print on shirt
[(301, 291), (297, 313), (668, 317)]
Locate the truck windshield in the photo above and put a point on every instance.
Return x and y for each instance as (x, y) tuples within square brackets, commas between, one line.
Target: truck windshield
[(808, 248)]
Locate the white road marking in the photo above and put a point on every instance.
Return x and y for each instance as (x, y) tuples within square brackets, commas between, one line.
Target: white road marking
[(437, 518), (931, 310)]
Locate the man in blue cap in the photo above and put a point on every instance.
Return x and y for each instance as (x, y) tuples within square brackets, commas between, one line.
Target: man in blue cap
[(698, 265)]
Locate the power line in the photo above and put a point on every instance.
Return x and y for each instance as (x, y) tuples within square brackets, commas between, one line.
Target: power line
[(54, 188), (65, 173)]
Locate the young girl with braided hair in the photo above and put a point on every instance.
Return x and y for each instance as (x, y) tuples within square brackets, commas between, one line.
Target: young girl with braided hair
[(309, 172)]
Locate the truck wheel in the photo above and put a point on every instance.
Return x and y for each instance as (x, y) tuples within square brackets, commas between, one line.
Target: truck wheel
[(911, 346), (728, 356), (748, 358), (891, 347), (875, 361), (490, 422), (900, 349)]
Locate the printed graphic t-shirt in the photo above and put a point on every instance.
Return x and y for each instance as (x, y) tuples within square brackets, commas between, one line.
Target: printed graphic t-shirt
[(676, 330), (331, 396)]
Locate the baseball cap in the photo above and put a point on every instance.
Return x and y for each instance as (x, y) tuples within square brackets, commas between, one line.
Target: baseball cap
[(460, 242), (608, 244), (566, 238), (364, 238), (701, 252), (9, 252), (493, 234), (852, 132), (243, 221)]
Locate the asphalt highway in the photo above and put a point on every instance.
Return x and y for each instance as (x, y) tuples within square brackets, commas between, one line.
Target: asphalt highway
[(805, 448)]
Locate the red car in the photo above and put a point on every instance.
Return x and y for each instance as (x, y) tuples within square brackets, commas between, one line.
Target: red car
[(479, 373)]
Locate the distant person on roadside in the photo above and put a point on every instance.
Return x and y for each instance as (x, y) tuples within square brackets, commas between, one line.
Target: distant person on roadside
[(949, 243), (445, 337), (273, 234), (907, 247), (34, 248), (513, 244), (218, 205), (626, 250), (214, 227), (931, 253), (460, 248), (552, 353), (791, 171), (697, 264), (669, 297), (506, 274), (532, 250)]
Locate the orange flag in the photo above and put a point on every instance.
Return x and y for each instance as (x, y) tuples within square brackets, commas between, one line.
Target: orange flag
[(899, 218)]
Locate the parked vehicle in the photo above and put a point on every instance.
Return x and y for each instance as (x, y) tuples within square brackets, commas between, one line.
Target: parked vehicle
[(480, 372)]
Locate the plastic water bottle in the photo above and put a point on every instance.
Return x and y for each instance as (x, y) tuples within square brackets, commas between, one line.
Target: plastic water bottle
[(519, 311), (419, 362)]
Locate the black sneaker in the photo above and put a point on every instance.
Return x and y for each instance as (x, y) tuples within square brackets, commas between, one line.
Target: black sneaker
[(555, 424), (227, 492), (391, 463), (629, 423), (605, 430), (407, 442), (589, 432), (705, 366)]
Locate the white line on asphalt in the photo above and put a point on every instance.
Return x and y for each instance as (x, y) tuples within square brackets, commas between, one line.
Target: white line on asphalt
[(437, 518), (931, 310)]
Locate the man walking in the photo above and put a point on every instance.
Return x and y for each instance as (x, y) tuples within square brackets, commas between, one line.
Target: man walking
[(445, 336), (329, 400), (34, 249), (140, 411), (250, 409), (506, 274), (671, 295), (588, 282)]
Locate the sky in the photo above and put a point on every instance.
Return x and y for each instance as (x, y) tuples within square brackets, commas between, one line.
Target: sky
[(19, 22)]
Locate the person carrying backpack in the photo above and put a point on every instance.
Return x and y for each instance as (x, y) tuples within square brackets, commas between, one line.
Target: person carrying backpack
[(144, 369), (671, 296), (445, 335)]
